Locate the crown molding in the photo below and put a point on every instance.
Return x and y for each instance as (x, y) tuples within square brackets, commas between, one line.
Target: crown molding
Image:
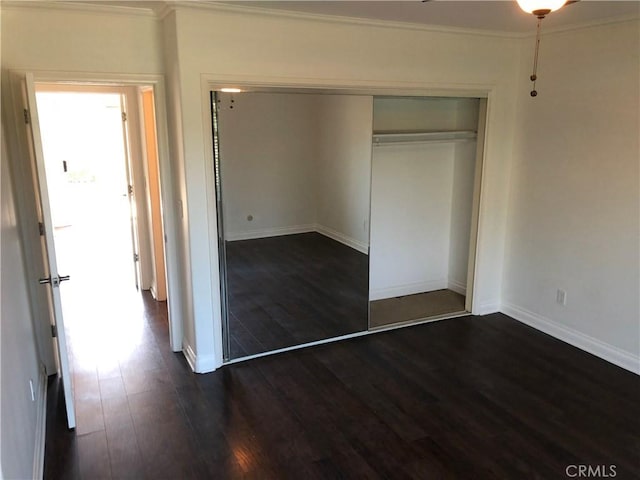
[(588, 25), (167, 8), (170, 6), (213, 6), (78, 6)]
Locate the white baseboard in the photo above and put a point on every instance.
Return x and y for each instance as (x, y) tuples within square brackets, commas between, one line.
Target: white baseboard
[(205, 364), (155, 296), (573, 337), (486, 308), (189, 354), (457, 287), (269, 232), (340, 237), (198, 364), (41, 425), (407, 289), (321, 229)]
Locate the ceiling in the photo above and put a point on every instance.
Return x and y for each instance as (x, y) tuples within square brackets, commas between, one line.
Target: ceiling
[(502, 15)]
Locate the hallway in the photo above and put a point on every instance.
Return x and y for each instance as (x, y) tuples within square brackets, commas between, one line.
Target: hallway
[(115, 382)]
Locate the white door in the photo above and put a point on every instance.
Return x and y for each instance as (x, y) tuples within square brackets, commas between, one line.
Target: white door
[(133, 215), (53, 278)]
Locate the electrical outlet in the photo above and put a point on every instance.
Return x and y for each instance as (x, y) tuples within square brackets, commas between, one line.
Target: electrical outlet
[(33, 393), (561, 297)]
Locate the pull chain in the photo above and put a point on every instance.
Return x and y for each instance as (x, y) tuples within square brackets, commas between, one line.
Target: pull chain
[(534, 75)]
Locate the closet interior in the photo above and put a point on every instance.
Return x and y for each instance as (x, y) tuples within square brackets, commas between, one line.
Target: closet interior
[(423, 170), (339, 214)]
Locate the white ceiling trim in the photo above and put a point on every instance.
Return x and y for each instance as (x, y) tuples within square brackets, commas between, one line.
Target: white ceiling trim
[(221, 7), (173, 5), (585, 25), (78, 7)]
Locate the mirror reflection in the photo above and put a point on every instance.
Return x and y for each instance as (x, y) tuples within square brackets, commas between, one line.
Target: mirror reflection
[(294, 177)]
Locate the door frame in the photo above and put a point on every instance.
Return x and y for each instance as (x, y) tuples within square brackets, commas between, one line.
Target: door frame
[(158, 284), (213, 82), (28, 212)]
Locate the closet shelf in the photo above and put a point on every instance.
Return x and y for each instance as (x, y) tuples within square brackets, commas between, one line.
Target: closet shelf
[(403, 138)]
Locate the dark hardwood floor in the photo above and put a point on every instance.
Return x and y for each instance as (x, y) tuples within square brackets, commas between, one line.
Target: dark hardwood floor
[(467, 398), (294, 289)]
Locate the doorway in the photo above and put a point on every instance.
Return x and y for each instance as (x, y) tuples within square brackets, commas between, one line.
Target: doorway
[(98, 147)]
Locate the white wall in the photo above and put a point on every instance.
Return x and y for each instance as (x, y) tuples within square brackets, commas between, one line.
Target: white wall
[(64, 40), (230, 45), (407, 114), (560, 184), (343, 171), (19, 361), (296, 163), (466, 118), (411, 195), (227, 44), (268, 149), (180, 291), (421, 200), (422, 197), (464, 164), (574, 211)]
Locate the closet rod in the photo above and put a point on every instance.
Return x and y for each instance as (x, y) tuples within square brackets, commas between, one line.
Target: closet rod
[(404, 138)]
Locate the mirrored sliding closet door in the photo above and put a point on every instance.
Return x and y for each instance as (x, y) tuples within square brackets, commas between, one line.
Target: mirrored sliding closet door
[(340, 214), (293, 176)]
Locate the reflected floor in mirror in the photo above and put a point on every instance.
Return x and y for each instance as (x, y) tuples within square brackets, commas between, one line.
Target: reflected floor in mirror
[(293, 289), (420, 306)]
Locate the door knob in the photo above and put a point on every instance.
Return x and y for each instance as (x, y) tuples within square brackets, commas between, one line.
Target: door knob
[(55, 281)]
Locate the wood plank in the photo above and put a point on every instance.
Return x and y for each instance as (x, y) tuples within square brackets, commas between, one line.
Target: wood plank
[(294, 289), (473, 397)]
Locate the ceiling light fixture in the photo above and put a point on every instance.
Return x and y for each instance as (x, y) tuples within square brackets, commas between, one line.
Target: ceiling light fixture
[(540, 8), (230, 90)]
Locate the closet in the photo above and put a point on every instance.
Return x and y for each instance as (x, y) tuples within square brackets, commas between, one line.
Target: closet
[(423, 169), (339, 214)]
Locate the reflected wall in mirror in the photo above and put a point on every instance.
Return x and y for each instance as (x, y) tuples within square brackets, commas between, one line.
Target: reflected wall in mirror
[(294, 177), (423, 171)]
